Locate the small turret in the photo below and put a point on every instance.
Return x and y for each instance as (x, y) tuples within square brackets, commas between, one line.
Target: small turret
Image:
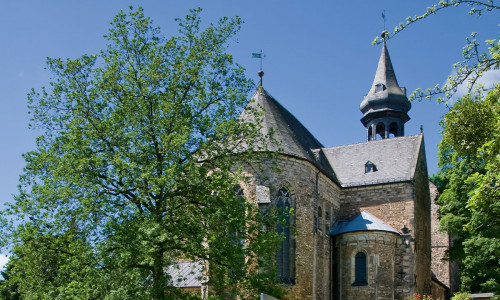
[(385, 107)]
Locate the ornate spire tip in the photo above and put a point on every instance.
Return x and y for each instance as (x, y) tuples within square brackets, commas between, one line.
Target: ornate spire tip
[(261, 73)]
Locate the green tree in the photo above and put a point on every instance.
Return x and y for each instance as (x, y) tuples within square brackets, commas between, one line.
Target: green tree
[(8, 291), (470, 194), (135, 171), (468, 155)]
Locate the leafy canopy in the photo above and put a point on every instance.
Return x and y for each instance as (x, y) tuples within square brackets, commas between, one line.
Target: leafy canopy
[(135, 171), (470, 193)]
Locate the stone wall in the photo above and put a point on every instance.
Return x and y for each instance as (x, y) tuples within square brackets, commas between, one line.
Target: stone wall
[(391, 203), (422, 226), (318, 203), (310, 192), (380, 248), (439, 242), (401, 204)]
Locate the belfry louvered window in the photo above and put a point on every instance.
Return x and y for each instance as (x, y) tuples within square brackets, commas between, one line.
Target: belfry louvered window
[(284, 255), (360, 269)]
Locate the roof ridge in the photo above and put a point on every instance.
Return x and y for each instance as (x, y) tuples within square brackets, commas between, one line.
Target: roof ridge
[(374, 141)]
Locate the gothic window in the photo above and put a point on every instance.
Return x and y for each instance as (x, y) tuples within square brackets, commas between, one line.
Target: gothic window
[(285, 255), (360, 277)]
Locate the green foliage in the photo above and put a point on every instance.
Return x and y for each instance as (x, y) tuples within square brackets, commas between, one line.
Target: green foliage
[(135, 171), (461, 296), (8, 289), (476, 61), (469, 184)]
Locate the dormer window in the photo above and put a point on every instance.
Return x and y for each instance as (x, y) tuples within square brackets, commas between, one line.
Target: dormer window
[(370, 167), (379, 87)]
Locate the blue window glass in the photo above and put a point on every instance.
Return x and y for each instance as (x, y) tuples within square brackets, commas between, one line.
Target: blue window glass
[(360, 269)]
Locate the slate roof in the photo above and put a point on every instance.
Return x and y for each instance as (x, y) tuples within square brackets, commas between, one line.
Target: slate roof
[(186, 274), (362, 222), (293, 138), (394, 158)]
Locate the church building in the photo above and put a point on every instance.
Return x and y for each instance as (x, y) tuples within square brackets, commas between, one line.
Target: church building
[(364, 222)]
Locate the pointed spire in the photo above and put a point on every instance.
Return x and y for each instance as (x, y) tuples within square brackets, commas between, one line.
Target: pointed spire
[(385, 73), (385, 107)]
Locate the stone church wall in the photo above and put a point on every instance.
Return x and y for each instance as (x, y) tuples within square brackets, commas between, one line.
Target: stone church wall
[(422, 226), (381, 249), (391, 203), (318, 203), (402, 204), (311, 191), (439, 242)]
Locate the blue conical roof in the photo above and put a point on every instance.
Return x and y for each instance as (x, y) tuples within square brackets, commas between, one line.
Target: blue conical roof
[(362, 222)]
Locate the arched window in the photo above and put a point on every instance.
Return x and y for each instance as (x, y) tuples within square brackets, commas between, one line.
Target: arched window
[(284, 257), (393, 130), (380, 131), (360, 269)]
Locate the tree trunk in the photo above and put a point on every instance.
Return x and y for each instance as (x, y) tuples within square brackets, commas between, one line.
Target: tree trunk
[(159, 278)]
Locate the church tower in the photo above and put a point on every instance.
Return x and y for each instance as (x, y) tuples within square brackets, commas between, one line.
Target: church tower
[(385, 107)]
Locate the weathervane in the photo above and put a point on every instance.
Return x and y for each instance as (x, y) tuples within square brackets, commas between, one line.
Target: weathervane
[(260, 55), (384, 34)]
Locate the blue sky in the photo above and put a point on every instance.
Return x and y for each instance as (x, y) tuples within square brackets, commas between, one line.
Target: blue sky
[(319, 65)]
